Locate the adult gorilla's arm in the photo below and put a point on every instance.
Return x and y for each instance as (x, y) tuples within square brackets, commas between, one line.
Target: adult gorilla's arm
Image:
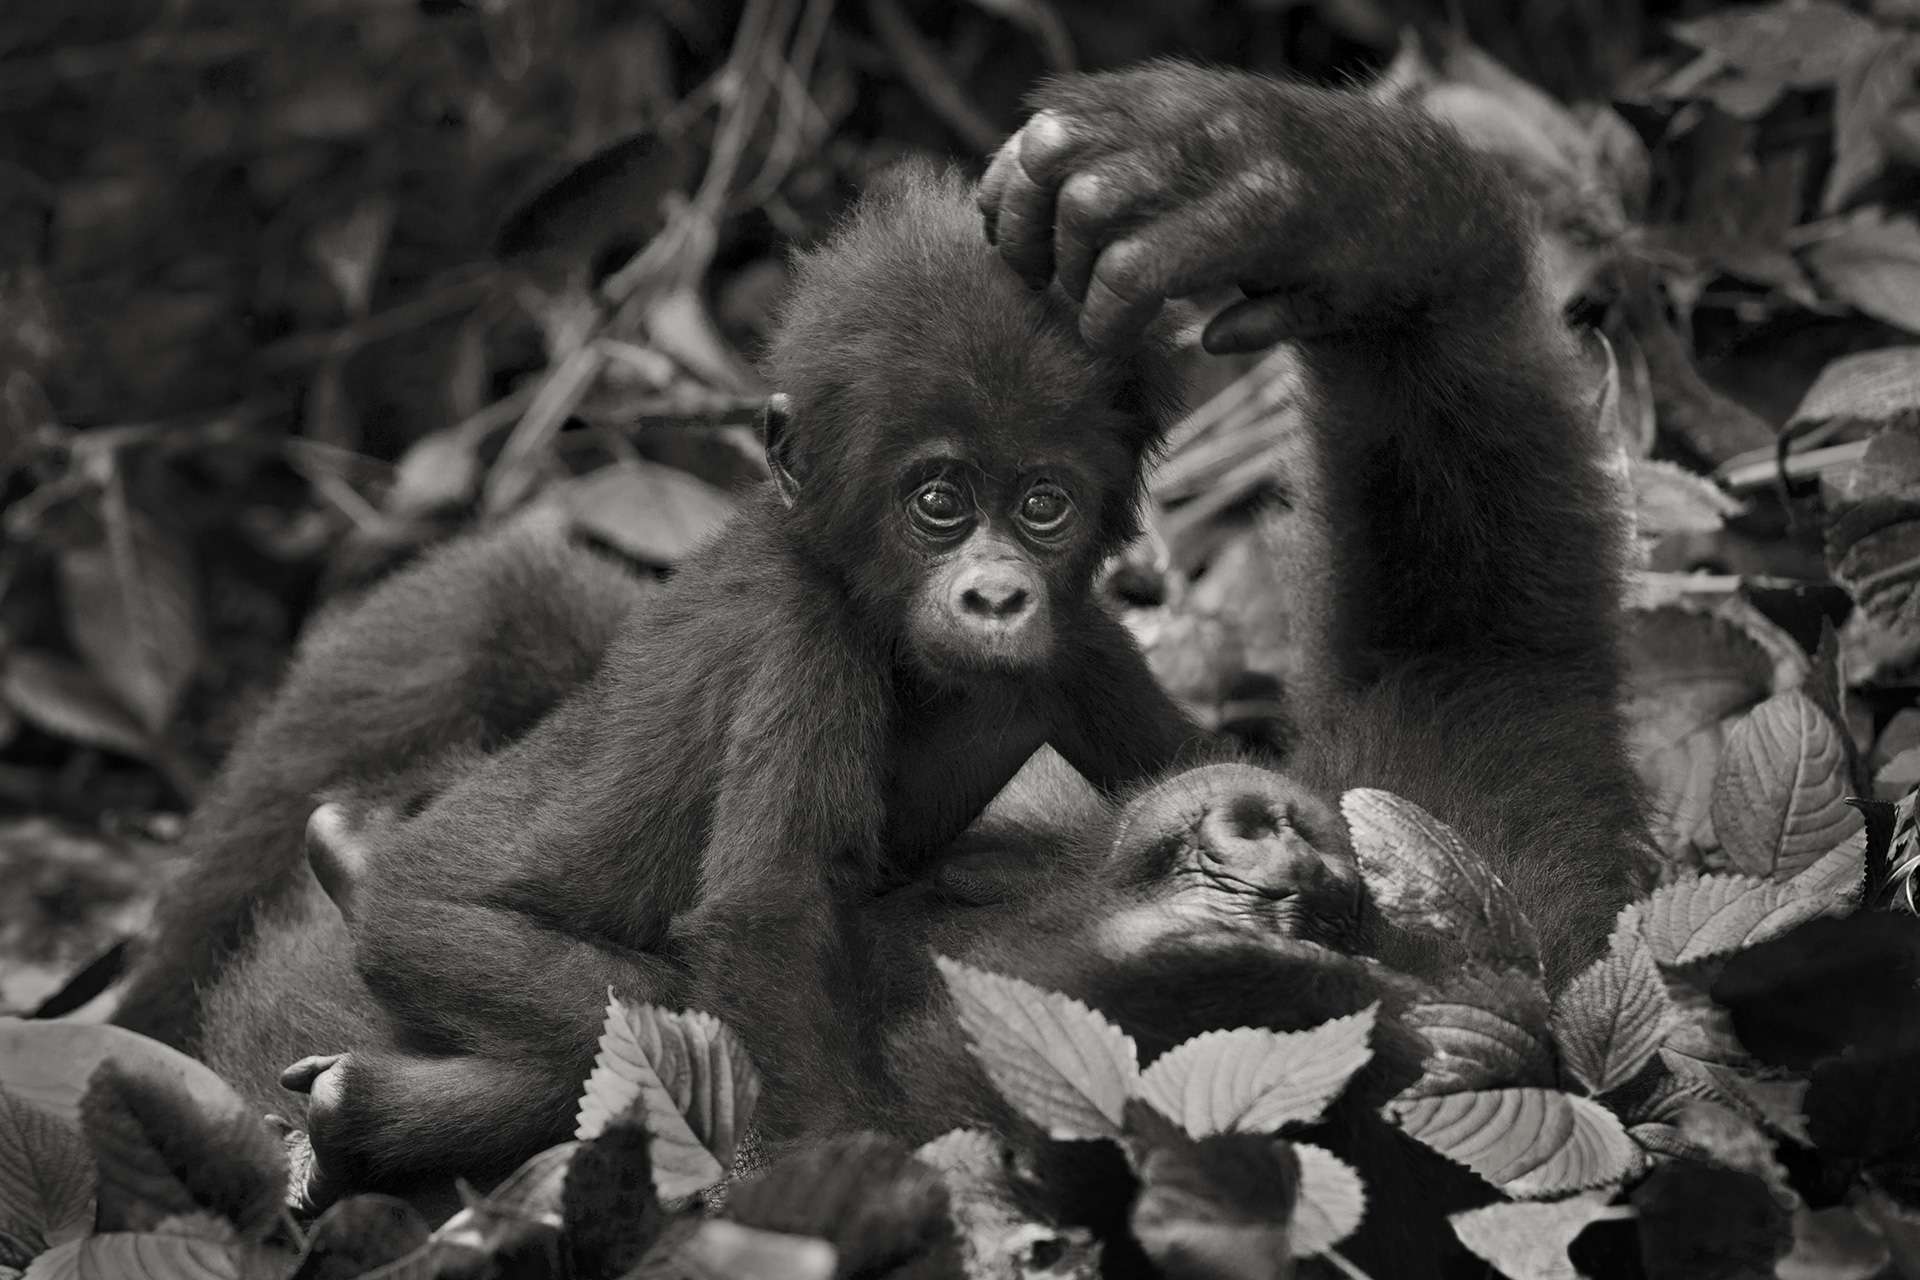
[(1460, 561)]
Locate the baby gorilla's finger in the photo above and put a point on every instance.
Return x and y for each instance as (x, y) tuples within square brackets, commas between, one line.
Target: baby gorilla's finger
[(1134, 276), (1023, 230), (1094, 206)]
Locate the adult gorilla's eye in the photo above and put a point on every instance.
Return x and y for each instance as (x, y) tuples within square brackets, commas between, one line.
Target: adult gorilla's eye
[(1046, 509), (939, 507)]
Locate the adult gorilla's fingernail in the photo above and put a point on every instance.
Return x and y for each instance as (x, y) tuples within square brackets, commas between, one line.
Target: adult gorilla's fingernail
[(1042, 138), (1247, 326)]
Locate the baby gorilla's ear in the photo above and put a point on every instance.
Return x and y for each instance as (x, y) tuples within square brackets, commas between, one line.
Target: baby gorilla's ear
[(783, 458)]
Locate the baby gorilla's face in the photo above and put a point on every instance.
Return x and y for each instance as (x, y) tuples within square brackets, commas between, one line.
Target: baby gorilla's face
[(1234, 851)]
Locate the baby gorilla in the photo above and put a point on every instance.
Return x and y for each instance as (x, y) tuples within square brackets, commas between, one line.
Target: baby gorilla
[(831, 690)]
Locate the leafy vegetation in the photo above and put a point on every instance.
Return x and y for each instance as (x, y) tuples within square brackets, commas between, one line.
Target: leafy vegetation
[(289, 292)]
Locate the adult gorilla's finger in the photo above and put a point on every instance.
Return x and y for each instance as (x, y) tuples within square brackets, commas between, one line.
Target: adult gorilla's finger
[(1042, 153), (993, 185), (337, 855), (1094, 206), (1172, 257)]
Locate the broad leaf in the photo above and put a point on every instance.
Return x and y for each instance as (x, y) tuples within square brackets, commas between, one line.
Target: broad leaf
[(69, 702), (46, 1177), (1061, 1064), (49, 1064), (687, 1076), (609, 1210), (1873, 550), (133, 611), (1251, 1080), (866, 1194), (1804, 45), (1873, 262), (1609, 1021), (1331, 1201), (142, 1255), (654, 513), (1530, 1143), (1701, 916), (160, 1154), (1423, 879), (1486, 1029), (1529, 1241), (1780, 799)]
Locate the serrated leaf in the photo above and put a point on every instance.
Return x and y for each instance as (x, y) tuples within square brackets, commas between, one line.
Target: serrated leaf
[(694, 1080), (1780, 799), (1701, 916), (1060, 1064), (1423, 878), (49, 1064), (46, 1176), (1251, 1080), (1528, 1142), (1529, 1241), (1486, 1029), (1609, 1021), (142, 1255), (1330, 1204)]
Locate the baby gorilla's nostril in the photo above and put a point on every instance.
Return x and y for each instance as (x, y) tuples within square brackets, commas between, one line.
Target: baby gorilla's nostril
[(994, 600)]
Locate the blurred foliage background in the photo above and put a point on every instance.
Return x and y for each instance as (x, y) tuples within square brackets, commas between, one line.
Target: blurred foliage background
[(288, 292)]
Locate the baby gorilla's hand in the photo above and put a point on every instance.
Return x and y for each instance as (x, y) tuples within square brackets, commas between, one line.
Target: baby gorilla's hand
[(1328, 210)]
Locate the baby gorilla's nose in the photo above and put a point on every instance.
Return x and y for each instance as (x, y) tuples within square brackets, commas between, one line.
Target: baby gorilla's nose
[(994, 595)]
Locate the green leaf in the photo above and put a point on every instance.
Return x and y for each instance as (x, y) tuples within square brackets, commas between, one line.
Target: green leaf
[(1528, 1142), (140, 1255), (1805, 45), (1331, 1201), (1609, 1021), (46, 1177), (132, 610), (1779, 801), (687, 1075), (1251, 1080), (1486, 1029), (609, 1208), (1060, 1064), (654, 513), (1423, 878), (1529, 1241)]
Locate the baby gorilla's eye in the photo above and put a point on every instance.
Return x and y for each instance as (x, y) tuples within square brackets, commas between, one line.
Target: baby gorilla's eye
[(1046, 509), (939, 507)]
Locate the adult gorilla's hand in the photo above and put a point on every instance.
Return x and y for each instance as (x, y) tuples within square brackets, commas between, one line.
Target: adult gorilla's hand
[(1327, 209)]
